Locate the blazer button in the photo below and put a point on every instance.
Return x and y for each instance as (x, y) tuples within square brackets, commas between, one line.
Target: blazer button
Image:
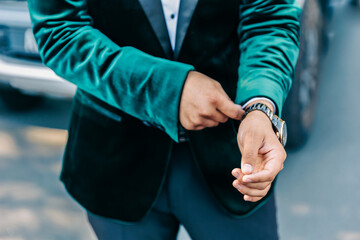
[(160, 127), (146, 123)]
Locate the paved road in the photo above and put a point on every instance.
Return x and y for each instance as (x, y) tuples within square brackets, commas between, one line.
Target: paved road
[(33, 203), (318, 196), (318, 193)]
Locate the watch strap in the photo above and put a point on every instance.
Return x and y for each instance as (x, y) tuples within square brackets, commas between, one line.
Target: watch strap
[(261, 107)]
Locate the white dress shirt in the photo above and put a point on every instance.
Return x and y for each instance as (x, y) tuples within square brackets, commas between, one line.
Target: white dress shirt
[(171, 13)]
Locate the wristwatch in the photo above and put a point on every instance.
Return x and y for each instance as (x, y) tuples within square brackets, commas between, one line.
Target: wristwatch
[(278, 124)]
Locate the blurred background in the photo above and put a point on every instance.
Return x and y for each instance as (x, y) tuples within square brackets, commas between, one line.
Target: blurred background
[(317, 193)]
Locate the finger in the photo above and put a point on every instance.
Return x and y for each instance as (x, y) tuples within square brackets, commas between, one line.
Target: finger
[(205, 122), (258, 186), (236, 172), (196, 127), (250, 191), (228, 108), (219, 117), (271, 169), (252, 199), (185, 123), (250, 159), (189, 125), (263, 176)]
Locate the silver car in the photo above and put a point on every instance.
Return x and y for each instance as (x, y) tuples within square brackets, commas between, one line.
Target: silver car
[(23, 78)]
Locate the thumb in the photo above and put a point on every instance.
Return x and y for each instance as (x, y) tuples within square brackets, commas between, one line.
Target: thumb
[(250, 156), (247, 164), (230, 109)]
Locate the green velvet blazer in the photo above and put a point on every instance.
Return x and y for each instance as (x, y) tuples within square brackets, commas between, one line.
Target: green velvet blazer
[(125, 112)]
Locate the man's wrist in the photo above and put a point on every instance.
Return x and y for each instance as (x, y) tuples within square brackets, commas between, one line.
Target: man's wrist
[(258, 113), (259, 117)]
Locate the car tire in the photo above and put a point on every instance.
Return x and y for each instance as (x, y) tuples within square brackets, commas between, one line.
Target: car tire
[(299, 109), (15, 100)]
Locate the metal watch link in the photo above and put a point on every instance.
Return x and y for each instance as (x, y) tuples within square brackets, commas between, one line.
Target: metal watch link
[(278, 124)]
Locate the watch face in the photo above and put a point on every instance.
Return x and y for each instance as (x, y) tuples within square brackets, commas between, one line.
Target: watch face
[(280, 129), (284, 134)]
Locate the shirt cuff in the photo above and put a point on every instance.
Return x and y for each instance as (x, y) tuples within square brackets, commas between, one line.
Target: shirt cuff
[(257, 99)]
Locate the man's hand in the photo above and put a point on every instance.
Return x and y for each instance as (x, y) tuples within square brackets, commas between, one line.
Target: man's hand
[(263, 157), (204, 103)]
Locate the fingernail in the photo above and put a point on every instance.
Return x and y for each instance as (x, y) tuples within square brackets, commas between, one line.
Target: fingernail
[(247, 198), (247, 179), (236, 174), (238, 187), (247, 169)]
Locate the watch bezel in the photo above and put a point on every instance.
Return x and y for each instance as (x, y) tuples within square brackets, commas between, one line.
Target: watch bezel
[(279, 130)]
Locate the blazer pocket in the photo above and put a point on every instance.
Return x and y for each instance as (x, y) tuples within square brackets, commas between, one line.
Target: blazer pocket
[(95, 109)]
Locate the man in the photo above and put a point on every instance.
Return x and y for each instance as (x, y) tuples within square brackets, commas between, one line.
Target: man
[(152, 140)]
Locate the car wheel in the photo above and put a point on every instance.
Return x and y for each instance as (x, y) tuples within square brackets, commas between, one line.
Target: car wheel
[(299, 108), (17, 101)]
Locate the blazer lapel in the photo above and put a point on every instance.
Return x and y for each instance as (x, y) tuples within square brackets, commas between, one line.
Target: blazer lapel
[(186, 11), (154, 12)]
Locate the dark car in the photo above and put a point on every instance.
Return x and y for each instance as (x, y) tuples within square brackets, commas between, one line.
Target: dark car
[(24, 80), (355, 3), (299, 109)]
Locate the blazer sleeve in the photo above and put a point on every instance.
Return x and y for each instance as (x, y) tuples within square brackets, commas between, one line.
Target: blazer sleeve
[(268, 33), (144, 86)]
